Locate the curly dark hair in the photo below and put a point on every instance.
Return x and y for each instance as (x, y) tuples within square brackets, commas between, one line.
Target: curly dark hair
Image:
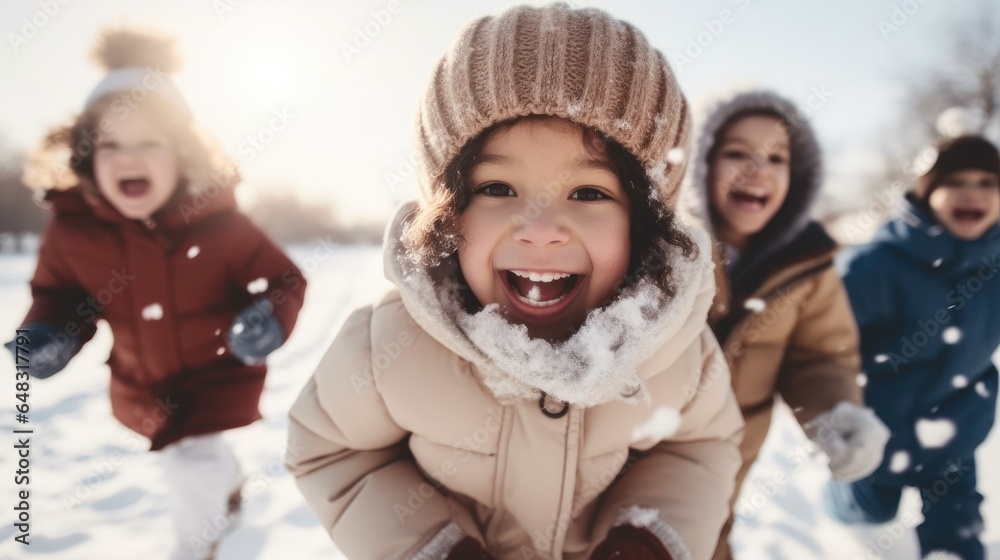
[(433, 235)]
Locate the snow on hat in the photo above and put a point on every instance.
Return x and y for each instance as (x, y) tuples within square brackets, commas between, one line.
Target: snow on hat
[(137, 61), (957, 154), (578, 64)]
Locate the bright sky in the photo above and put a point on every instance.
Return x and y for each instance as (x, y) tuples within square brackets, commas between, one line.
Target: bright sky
[(351, 117)]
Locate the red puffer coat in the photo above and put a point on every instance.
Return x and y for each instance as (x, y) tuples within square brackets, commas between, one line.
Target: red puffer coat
[(169, 287)]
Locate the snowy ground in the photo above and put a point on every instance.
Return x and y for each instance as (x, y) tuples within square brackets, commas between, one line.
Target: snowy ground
[(95, 492)]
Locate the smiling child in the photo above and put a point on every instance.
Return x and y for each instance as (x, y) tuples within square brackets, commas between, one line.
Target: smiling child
[(541, 383), (781, 313), (927, 302), (145, 234)]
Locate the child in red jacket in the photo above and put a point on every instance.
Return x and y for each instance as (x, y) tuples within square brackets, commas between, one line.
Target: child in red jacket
[(148, 237)]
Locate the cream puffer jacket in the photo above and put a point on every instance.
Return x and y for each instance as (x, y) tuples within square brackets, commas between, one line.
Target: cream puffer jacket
[(415, 429)]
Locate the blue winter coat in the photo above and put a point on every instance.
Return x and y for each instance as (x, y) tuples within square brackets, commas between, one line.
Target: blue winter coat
[(928, 310)]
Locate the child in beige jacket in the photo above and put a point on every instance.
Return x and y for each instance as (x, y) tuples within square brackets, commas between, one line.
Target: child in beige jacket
[(542, 382)]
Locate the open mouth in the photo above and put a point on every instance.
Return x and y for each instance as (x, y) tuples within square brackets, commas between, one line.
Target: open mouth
[(967, 215), (748, 202), (134, 187), (541, 289)]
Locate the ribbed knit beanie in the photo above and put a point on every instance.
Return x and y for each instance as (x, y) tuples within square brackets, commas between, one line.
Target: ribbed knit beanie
[(957, 154), (578, 64)]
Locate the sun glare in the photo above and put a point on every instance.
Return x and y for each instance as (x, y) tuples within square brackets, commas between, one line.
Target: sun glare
[(267, 76)]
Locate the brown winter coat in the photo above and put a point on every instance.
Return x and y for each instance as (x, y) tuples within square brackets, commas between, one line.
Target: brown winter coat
[(781, 313), (169, 288), (400, 400), (795, 338)]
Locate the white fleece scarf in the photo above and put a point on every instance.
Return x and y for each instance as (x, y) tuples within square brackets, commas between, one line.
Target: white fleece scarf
[(597, 364)]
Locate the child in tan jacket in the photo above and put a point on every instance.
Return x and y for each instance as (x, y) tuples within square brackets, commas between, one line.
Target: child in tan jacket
[(542, 382)]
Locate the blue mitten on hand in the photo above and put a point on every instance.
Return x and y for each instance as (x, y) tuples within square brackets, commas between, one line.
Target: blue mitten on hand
[(49, 349), (255, 333)]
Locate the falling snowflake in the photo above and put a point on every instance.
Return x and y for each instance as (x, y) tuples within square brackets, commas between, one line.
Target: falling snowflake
[(934, 434), (675, 156), (193, 251), (220, 351), (938, 262), (218, 332), (662, 424), (935, 231), (952, 335), (960, 381), (862, 379), (881, 358), (918, 468), (982, 390), (755, 304), (238, 328), (258, 286), (900, 462), (152, 312)]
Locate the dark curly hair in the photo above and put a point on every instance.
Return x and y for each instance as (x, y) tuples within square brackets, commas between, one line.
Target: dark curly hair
[(433, 235)]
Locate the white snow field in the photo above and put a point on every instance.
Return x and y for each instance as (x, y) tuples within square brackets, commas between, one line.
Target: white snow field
[(97, 494)]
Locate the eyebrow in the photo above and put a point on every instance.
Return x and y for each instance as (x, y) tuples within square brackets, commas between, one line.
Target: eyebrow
[(583, 163), (728, 139), (495, 159)]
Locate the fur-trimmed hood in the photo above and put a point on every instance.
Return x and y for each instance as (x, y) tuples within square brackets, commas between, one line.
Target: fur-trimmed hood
[(805, 181), (619, 345)]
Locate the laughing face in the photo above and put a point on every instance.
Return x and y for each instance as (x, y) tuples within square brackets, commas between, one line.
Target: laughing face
[(749, 177), (967, 202), (546, 234), (136, 166)]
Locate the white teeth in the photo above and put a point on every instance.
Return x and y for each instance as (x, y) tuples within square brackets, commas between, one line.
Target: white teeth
[(534, 303), (541, 276)]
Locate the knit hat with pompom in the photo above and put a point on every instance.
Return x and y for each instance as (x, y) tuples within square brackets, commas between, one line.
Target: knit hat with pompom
[(578, 64), (139, 64)]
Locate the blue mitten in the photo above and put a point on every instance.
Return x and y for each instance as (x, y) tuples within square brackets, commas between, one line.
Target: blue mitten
[(49, 349), (255, 333)]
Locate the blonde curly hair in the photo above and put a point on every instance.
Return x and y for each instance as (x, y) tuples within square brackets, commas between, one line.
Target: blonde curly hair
[(65, 157)]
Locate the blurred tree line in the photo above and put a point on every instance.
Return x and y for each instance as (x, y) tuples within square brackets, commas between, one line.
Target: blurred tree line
[(287, 218), (955, 95), (19, 215)]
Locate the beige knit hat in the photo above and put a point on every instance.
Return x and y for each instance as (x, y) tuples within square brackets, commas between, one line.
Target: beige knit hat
[(578, 64)]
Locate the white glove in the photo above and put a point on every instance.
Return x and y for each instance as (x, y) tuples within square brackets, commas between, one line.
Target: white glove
[(853, 437)]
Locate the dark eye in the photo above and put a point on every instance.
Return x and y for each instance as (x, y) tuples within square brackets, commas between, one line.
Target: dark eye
[(777, 159), (108, 146), (588, 194), (734, 154), (495, 189)]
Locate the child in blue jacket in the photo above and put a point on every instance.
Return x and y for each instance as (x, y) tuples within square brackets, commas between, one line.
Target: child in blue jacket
[(926, 295)]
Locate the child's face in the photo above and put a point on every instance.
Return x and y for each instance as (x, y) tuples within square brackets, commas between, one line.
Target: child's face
[(750, 175), (967, 202), (136, 166), (546, 234)]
